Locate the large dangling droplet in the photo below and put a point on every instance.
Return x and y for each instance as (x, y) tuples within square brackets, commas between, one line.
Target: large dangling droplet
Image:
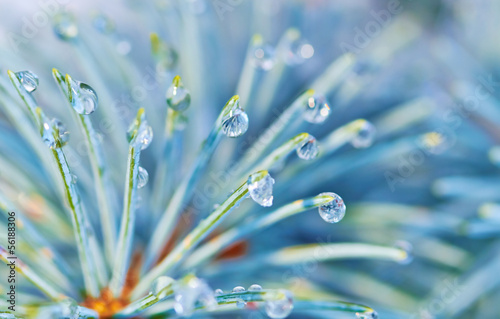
[(334, 211), (83, 97), (309, 149), (260, 187), (235, 123), (29, 80)]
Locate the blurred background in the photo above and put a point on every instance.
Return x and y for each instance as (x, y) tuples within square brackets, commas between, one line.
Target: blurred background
[(425, 74)]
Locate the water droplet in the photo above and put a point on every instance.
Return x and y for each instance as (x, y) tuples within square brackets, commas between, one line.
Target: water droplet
[(29, 80), (367, 315), (235, 123), (74, 178), (240, 304), (238, 289), (48, 135), (61, 132), (255, 287), (5, 315), (218, 292), (178, 97), (298, 52), (280, 308), (365, 136), (189, 293), (408, 250), (317, 109), (263, 57), (143, 135), (309, 149), (160, 286), (65, 26), (83, 97), (142, 177), (334, 211), (260, 187)]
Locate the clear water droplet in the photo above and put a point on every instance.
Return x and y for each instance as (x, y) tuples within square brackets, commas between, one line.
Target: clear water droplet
[(178, 97), (298, 52), (317, 109), (74, 178), (65, 26), (365, 136), (255, 287), (83, 97), (263, 57), (309, 149), (48, 135), (240, 304), (238, 289), (367, 315), (142, 177), (280, 308), (334, 211), (160, 286), (408, 250), (218, 292), (61, 132), (260, 187), (29, 80), (235, 123), (189, 293)]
